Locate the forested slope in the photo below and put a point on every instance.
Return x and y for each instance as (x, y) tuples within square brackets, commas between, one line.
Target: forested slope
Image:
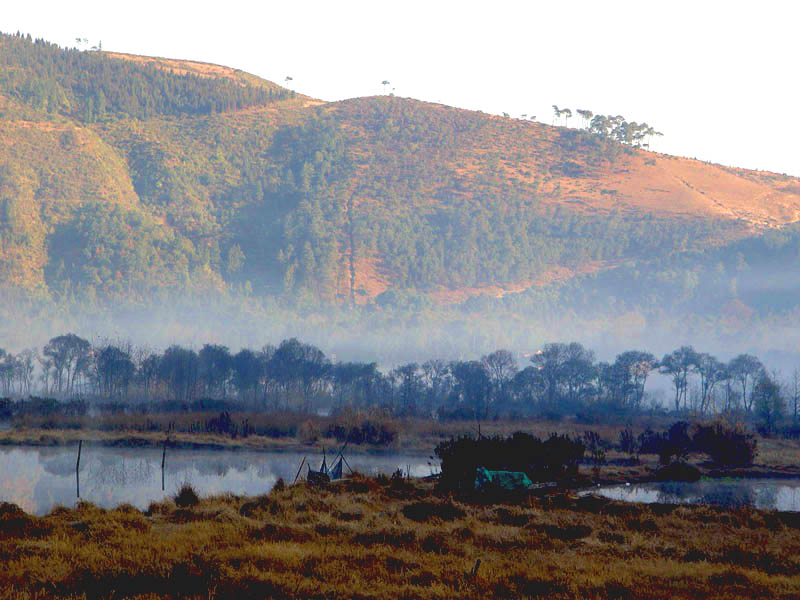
[(122, 177)]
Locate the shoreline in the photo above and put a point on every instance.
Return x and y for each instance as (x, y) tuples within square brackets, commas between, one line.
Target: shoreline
[(614, 472), (55, 438)]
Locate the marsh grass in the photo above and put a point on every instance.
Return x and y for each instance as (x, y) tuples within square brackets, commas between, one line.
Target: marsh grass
[(365, 538)]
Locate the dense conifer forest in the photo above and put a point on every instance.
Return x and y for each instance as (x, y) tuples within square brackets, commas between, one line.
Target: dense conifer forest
[(91, 87)]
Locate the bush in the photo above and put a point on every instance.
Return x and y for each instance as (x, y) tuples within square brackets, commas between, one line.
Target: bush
[(593, 443), (727, 446), (223, 424), (791, 432), (556, 458), (6, 408), (308, 431), (627, 442), (678, 442), (459, 413), (673, 444), (377, 433), (678, 471), (186, 497), (649, 442)]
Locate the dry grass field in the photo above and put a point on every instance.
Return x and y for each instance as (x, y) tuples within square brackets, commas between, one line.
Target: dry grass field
[(377, 538)]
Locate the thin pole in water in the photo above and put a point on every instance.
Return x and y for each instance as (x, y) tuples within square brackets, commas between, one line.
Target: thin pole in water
[(163, 461), (77, 468)]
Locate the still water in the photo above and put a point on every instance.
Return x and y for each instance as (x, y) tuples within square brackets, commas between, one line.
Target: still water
[(777, 494), (37, 479)]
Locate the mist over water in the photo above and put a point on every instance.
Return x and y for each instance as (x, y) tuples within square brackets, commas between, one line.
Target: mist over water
[(393, 336)]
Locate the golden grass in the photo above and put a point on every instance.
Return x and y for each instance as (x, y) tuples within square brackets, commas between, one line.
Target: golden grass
[(365, 538)]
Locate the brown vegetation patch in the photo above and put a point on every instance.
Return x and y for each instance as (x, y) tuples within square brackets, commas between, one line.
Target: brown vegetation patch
[(15, 523), (565, 533), (386, 537), (426, 510)]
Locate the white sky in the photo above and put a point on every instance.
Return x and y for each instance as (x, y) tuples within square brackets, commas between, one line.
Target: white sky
[(720, 79)]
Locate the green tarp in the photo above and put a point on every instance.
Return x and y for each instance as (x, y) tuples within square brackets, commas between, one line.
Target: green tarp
[(505, 480)]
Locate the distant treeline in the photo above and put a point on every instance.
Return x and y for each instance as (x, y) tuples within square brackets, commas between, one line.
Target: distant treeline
[(90, 86), (560, 379)]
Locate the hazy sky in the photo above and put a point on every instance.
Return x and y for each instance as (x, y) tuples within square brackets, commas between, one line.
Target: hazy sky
[(720, 79)]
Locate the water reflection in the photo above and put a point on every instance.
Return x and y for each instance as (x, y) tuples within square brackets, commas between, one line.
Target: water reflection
[(39, 478), (780, 494)]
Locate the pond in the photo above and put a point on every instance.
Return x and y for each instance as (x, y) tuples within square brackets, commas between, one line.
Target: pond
[(37, 479), (773, 494)]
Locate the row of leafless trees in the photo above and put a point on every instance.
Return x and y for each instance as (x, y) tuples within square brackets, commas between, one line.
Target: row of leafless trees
[(558, 379)]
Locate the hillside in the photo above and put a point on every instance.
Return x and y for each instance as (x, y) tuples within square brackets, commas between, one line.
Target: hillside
[(122, 176)]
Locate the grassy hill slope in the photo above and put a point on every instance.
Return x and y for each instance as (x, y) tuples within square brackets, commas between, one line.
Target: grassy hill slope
[(123, 175)]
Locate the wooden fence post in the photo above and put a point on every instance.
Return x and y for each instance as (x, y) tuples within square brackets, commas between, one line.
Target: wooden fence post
[(77, 468)]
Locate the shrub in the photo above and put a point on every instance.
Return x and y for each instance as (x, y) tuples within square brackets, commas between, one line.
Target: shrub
[(649, 442), (627, 442), (593, 443), (186, 497), (6, 408), (377, 433), (679, 443), (727, 446), (673, 444), (223, 424), (556, 458), (678, 471), (308, 431)]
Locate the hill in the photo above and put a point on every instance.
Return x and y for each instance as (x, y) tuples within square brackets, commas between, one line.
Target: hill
[(124, 177)]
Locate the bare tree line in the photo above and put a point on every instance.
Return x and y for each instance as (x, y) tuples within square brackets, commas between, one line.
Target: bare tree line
[(559, 379)]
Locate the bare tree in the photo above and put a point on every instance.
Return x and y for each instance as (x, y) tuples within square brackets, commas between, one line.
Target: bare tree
[(26, 364), (794, 393), (745, 369), (678, 365), (711, 372)]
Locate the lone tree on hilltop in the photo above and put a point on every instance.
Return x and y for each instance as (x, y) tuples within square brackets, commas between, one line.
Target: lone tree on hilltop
[(384, 83), (556, 113)]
